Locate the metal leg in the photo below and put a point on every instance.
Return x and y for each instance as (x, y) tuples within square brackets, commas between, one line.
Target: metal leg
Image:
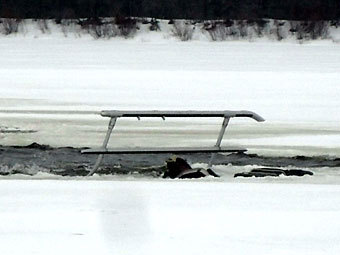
[(106, 140), (219, 139)]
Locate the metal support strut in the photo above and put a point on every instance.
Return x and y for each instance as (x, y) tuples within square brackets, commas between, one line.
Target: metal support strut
[(219, 139), (112, 123)]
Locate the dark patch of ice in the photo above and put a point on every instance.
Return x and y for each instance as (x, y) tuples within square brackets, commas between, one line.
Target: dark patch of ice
[(15, 130)]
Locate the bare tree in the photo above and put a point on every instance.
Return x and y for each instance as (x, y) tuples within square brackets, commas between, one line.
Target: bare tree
[(9, 25), (183, 30)]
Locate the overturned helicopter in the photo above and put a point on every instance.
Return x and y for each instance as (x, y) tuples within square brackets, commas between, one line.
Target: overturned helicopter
[(226, 115)]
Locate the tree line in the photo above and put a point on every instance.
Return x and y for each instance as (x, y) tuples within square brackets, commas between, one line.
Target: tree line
[(173, 9)]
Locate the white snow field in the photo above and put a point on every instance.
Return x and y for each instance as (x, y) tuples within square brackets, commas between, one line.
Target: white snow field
[(168, 217), (56, 86)]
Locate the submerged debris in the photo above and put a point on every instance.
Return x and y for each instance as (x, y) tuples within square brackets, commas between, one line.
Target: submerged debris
[(275, 172), (179, 168)]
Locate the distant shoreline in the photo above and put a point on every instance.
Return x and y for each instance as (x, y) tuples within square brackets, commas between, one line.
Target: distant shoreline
[(177, 30)]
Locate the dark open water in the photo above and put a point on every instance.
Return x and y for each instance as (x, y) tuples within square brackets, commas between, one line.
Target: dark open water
[(68, 161)]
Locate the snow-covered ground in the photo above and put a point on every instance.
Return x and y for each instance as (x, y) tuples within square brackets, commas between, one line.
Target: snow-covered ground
[(168, 217)]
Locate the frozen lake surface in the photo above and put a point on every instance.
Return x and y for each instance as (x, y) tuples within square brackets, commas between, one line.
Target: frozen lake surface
[(56, 85), (52, 88)]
